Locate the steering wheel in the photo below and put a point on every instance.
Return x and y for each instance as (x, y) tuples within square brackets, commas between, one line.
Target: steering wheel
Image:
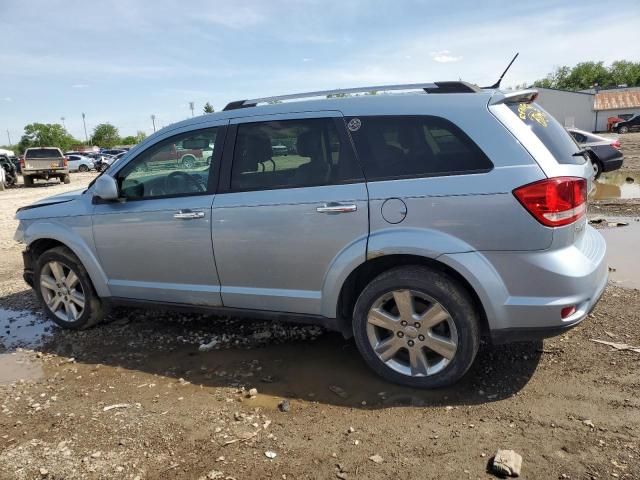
[(182, 177)]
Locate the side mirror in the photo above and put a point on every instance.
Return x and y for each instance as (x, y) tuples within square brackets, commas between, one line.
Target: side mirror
[(106, 188)]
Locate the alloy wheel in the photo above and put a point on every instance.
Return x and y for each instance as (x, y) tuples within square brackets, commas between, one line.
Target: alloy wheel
[(412, 333), (62, 291)]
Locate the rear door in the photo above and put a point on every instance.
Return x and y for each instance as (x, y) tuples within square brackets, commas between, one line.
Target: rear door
[(282, 218)]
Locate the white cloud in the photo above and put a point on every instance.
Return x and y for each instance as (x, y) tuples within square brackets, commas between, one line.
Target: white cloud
[(8, 99), (444, 56), (79, 85)]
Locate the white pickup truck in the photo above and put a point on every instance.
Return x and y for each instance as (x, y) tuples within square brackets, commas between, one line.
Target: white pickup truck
[(44, 163)]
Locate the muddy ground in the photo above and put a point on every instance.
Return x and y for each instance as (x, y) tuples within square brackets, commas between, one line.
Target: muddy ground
[(136, 398)]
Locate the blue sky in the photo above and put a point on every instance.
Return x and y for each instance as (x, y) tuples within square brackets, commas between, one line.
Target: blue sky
[(122, 60)]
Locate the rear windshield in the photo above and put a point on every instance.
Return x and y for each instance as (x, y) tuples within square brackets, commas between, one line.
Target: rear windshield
[(550, 132), (43, 153)]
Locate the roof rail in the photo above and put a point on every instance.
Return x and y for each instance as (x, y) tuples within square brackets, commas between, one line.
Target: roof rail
[(436, 87)]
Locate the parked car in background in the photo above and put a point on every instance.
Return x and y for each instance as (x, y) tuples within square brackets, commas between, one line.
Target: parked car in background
[(80, 163), (104, 161), (604, 153), (10, 173), (112, 151), (383, 237), (44, 163), (279, 150), (631, 125)]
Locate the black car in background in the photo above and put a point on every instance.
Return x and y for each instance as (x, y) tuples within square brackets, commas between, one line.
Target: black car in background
[(631, 125)]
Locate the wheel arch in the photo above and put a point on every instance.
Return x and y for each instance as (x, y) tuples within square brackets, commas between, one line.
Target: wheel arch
[(360, 277), (39, 242)]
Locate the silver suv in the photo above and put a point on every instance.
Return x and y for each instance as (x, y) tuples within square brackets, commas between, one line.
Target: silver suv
[(417, 223)]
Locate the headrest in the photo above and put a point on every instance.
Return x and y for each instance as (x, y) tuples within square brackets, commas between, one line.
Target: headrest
[(309, 144)]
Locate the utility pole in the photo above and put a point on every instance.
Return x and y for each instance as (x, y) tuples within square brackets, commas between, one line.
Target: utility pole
[(63, 125), (153, 119), (86, 137), (9, 137), (191, 107)]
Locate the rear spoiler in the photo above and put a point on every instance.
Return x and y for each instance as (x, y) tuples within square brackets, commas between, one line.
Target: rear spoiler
[(517, 96)]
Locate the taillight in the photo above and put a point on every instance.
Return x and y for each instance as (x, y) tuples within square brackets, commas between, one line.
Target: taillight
[(21, 163), (555, 202), (616, 144), (66, 161)]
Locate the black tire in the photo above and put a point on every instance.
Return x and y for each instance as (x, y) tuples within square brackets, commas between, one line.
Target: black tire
[(623, 130), (443, 289), (2, 186), (83, 168), (93, 312), (597, 168), (28, 181), (188, 161), (66, 179)]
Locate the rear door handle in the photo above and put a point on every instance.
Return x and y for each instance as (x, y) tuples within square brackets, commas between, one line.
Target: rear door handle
[(334, 207), (188, 215)]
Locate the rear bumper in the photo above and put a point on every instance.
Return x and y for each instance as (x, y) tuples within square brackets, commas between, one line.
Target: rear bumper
[(523, 293), (529, 334), (613, 164)]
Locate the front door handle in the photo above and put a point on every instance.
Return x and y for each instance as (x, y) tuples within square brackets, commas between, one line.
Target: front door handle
[(188, 215), (334, 207)]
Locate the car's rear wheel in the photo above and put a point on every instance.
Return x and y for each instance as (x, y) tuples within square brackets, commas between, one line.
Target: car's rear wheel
[(66, 179), (28, 181), (188, 161), (83, 168), (65, 290), (417, 327), (597, 168)]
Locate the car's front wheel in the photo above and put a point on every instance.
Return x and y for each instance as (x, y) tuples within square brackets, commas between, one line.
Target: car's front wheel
[(417, 327), (623, 129), (65, 290)]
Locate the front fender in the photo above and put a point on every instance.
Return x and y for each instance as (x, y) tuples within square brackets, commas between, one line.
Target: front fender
[(78, 237)]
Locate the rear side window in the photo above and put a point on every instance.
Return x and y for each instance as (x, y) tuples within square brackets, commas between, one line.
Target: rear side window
[(414, 146), (290, 154), (43, 153), (550, 132)]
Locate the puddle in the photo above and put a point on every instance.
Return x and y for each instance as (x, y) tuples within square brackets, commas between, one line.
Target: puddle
[(622, 253), (614, 185), (18, 366), (19, 328)]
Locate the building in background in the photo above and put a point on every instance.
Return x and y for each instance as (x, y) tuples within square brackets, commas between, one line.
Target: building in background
[(590, 110)]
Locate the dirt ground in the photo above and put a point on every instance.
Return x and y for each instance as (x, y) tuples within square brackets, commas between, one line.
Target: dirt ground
[(136, 398)]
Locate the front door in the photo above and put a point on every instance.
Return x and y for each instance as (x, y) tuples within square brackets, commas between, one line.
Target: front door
[(295, 201), (155, 244)]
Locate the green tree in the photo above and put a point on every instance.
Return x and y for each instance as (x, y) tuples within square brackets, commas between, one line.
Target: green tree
[(46, 135), (624, 72), (208, 108), (588, 74), (140, 135), (105, 135)]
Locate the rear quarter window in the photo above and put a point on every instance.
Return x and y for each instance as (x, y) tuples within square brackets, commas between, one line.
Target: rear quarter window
[(392, 147), (43, 153), (550, 132)]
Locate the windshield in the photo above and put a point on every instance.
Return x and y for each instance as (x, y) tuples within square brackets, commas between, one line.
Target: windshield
[(559, 143)]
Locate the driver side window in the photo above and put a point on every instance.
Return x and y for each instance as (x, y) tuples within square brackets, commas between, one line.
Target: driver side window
[(177, 166)]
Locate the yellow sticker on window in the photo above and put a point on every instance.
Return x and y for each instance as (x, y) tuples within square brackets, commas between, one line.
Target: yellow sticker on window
[(527, 110)]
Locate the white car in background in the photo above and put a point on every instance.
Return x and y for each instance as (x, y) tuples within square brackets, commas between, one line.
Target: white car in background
[(80, 163)]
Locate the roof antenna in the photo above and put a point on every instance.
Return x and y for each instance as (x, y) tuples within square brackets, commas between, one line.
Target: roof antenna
[(497, 84)]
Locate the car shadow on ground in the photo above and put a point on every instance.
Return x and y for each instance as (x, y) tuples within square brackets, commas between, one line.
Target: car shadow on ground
[(327, 369)]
